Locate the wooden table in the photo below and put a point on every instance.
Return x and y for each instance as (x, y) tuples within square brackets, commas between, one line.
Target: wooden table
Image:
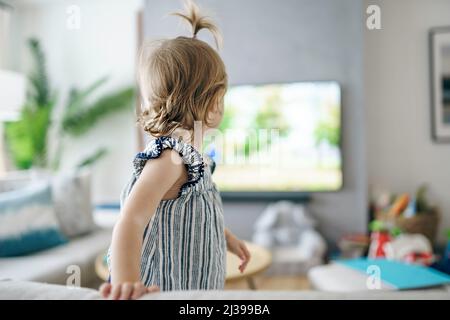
[(101, 267), (261, 259)]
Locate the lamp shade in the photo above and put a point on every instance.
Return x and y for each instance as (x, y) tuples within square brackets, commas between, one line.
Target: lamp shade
[(12, 94)]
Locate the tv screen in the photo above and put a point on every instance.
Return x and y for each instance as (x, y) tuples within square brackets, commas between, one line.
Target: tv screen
[(279, 137)]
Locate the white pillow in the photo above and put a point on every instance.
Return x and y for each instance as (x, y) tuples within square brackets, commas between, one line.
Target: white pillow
[(73, 203)]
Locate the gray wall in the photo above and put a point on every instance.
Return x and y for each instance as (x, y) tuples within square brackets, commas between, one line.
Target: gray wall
[(293, 40), (402, 154)]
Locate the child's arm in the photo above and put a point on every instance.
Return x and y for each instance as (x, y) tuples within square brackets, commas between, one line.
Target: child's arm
[(155, 180), (237, 247)]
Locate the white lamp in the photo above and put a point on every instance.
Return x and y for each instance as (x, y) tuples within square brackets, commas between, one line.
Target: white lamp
[(12, 94), (12, 98)]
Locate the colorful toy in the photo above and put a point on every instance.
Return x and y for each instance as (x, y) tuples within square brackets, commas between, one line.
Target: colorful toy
[(400, 204), (378, 239), (413, 248), (425, 259)]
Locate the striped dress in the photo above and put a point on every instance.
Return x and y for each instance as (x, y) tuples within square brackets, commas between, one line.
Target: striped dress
[(184, 245)]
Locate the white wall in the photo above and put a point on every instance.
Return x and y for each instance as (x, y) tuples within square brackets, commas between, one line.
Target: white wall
[(5, 17), (104, 45), (293, 40), (401, 153)]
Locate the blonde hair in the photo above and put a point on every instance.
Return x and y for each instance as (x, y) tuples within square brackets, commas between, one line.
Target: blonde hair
[(182, 80)]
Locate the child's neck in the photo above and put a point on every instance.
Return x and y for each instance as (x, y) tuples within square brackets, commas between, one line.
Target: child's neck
[(194, 138)]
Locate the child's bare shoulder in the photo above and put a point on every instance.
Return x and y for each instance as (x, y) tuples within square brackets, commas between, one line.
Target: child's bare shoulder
[(166, 173)]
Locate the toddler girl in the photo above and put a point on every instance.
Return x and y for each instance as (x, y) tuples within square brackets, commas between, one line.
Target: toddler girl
[(171, 234)]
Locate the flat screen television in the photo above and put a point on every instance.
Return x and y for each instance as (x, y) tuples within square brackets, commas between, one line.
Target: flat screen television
[(279, 139)]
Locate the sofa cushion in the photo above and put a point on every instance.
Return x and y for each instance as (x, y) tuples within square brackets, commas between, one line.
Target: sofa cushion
[(27, 221), (73, 203), (52, 265), (71, 194)]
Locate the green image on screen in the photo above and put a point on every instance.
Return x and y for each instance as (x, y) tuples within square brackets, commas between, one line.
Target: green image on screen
[(279, 137)]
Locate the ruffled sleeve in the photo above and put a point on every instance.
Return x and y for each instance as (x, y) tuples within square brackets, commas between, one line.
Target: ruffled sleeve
[(192, 159), (210, 163)]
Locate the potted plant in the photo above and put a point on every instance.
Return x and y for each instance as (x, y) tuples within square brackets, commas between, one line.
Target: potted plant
[(28, 138)]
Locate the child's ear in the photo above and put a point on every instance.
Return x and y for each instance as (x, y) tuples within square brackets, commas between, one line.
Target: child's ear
[(220, 107), (215, 116)]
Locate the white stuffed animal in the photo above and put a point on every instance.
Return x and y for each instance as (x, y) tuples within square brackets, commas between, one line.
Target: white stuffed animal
[(406, 244), (286, 225)]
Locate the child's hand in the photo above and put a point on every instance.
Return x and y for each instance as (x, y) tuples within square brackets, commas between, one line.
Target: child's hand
[(238, 247), (125, 291)]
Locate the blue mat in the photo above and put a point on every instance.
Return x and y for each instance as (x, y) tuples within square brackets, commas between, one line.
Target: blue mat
[(400, 275)]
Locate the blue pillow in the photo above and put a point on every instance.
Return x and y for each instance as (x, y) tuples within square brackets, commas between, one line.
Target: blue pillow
[(28, 222)]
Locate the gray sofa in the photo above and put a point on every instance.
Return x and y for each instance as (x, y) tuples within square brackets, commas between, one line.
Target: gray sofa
[(88, 232), (51, 266), (32, 290)]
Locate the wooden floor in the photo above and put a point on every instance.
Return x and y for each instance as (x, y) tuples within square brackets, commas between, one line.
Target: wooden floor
[(287, 283)]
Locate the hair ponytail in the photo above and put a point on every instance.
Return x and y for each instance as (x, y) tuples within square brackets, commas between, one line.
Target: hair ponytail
[(182, 80), (198, 21)]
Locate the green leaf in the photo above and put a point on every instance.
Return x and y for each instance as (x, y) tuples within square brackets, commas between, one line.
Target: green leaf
[(27, 138), (77, 98), (39, 123), (377, 226), (81, 121), (39, 89), (100, 153), (19, 144)]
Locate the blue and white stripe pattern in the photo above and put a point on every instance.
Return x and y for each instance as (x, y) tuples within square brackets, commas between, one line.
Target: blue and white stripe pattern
[(184, 246), (28, 222)]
